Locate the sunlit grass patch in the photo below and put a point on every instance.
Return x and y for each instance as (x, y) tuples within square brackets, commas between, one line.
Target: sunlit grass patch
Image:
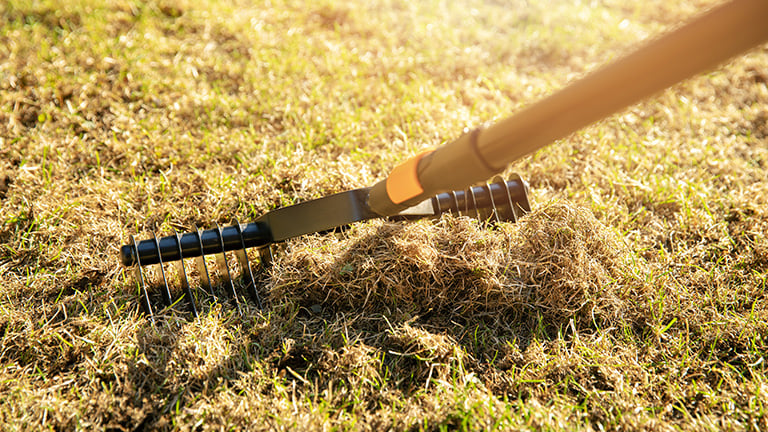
[(632, 297)]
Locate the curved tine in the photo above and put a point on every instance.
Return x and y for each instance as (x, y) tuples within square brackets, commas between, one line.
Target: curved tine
[(505, 209), (455, 203), (265, 255), (183, 276), (494, 211), (245, 267), (512, 206), (436, 206), (471, 192), (139, 276), (524, 203), (221, 259), (202, 267), (166, 291)]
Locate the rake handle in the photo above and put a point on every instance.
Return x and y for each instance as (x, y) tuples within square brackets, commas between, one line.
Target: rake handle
[(701, 44)]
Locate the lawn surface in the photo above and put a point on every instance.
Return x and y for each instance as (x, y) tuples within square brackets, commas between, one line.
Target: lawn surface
[(632, 297)]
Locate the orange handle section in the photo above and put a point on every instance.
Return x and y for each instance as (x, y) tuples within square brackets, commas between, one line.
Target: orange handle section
[(705, 41), (403, 182)]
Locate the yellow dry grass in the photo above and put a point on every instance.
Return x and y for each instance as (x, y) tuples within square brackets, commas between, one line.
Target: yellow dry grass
[(558, 263), (633, 296)]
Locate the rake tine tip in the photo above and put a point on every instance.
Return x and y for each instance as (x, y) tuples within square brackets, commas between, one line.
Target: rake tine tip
[(139, 276)]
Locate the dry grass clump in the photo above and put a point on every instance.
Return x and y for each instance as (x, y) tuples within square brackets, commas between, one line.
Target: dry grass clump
[(358, 365), (384, 266), (425, 356), (559, 262)]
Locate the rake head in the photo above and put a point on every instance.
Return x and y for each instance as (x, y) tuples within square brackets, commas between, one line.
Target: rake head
[(156, 260)]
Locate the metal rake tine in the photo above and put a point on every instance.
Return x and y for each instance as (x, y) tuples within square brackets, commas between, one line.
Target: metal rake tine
[(524, 204), (455, 206), (512, 205), (139, 276), (202, 267), (493, 210), (504, 209), (245, 267), (471, 193), (165, 290), (265, 255), (438, 207), (221, 259), (183, 276)]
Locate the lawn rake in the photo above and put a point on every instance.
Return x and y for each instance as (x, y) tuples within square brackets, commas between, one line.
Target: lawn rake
[(701, 44), (496, 201)]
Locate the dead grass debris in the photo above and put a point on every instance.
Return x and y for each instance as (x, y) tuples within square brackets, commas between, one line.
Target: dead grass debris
[(559, 262)]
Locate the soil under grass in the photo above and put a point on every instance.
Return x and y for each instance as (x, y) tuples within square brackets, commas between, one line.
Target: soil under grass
[(633, 296)]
